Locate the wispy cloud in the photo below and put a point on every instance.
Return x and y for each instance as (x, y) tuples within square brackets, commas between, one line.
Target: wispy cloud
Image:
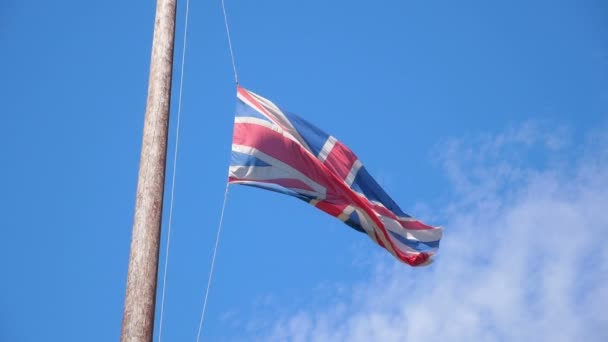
[(524, 256)]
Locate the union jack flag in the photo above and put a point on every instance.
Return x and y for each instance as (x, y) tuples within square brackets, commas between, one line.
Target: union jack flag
[(280, 151)]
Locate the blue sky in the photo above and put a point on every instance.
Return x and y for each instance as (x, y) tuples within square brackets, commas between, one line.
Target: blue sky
[(487, 119)]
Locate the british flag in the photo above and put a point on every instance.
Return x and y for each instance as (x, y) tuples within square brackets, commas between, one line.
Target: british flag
[(280, 151)]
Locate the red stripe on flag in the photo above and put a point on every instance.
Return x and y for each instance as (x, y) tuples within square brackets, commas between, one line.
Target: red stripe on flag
[(340, 160), (332, 209), (415, 225)]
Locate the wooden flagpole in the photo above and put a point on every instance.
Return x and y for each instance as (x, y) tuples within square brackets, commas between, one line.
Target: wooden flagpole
[(138, 315)]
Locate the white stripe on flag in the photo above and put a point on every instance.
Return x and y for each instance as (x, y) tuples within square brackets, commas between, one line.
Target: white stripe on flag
[(346, 213), (353, 172), (326, 149)]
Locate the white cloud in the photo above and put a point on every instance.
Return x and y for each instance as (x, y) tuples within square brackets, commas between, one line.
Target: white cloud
[(524, 256)]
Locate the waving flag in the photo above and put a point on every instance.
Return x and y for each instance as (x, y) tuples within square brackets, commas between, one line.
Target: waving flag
[(279, 151)]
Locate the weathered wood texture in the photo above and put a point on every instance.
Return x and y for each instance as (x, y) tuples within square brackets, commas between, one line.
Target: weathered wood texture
[(138, 316)]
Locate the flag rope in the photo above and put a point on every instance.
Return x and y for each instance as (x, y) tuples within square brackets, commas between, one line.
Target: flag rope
[(236, 78), (217, 240), (174, 171), (219, 228)]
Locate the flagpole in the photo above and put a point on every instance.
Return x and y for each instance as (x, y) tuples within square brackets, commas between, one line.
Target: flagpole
[(138, 315)]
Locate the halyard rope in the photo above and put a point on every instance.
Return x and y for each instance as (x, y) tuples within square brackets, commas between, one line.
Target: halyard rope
[(219, 228), (217, 240), (236, 78)]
